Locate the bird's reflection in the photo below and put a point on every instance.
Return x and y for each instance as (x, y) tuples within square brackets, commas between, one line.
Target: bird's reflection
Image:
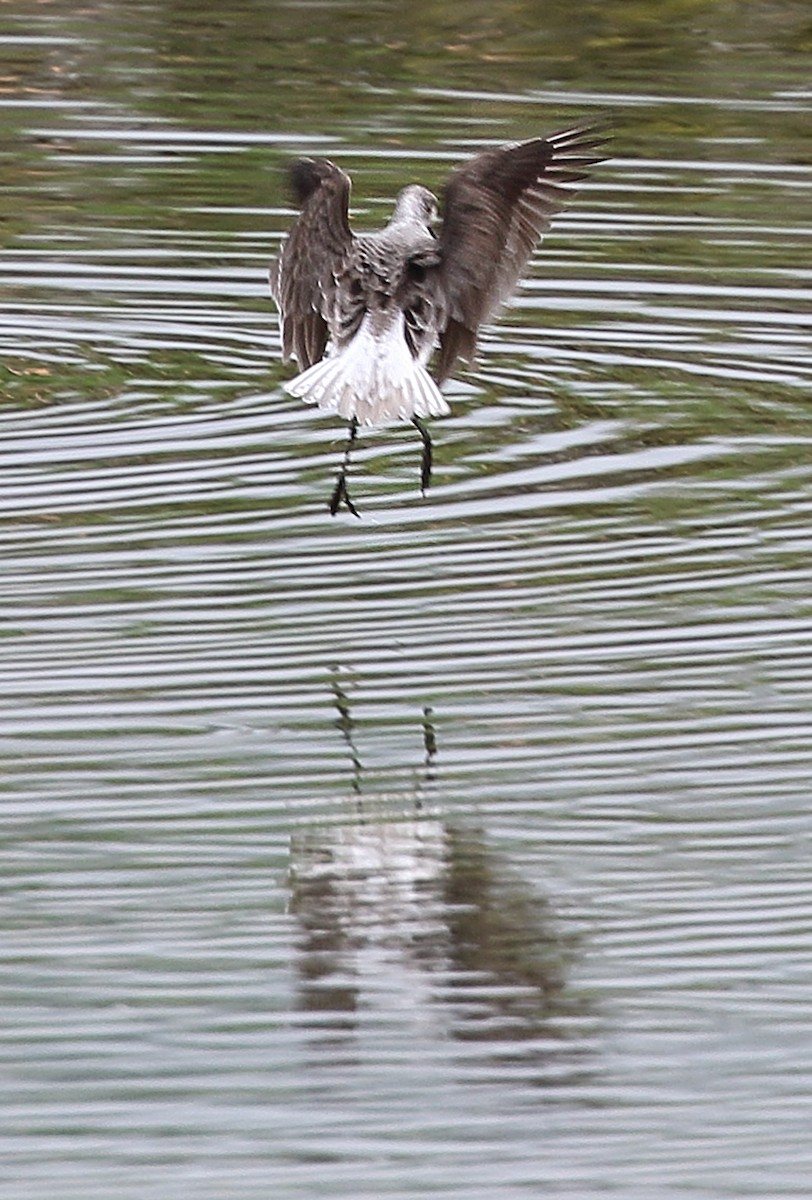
[(405, 915)]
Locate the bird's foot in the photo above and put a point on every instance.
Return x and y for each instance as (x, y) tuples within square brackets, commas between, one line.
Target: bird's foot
[(341, 495)]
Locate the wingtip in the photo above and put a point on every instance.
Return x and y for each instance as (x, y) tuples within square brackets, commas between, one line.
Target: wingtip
[(304, 177), (593, 133), (307, 175)]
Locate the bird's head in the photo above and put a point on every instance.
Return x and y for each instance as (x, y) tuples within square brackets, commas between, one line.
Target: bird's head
[(417, 205)]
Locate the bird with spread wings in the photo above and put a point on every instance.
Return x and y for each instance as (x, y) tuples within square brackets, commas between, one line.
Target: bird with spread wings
[(363, 313)]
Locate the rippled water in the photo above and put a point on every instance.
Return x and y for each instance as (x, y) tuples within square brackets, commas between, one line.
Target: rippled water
[(461, 850)]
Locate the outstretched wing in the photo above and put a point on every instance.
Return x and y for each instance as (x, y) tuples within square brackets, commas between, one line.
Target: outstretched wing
[(496, 207), (302, 277)]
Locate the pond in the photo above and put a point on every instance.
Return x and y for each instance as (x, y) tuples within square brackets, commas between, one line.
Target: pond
[(462, 849)]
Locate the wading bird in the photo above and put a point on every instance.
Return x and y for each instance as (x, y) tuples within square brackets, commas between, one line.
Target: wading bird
[(362, 313)]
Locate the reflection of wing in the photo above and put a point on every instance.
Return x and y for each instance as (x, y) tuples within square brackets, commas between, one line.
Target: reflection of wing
[(402, 913), (302, 278), (496, 207)]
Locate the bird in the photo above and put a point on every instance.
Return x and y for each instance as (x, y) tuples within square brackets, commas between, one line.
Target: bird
[(363, 313)]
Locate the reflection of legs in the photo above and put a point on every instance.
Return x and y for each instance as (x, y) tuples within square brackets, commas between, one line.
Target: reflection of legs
[(430, 746), (345, 723), (429, 742), (340, 490), (425, 465)]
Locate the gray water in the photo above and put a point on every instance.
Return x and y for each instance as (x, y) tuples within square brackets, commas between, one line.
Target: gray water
[(461, 850)]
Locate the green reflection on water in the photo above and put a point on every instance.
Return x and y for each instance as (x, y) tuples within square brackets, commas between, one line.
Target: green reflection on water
[(369, 79)]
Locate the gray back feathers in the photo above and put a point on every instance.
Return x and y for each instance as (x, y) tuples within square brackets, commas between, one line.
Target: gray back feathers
[(495, 209)]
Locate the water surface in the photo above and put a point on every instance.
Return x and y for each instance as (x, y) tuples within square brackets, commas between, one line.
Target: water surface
[(461, 850)]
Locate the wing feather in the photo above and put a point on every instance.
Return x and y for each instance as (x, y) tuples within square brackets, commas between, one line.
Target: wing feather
[(302, 279), (495, 209)]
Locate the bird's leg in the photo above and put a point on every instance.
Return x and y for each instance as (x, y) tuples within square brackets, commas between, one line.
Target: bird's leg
[(340, 490), (426, 461)]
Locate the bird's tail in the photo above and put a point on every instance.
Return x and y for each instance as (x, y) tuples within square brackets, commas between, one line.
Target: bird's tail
[(373, 379)]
